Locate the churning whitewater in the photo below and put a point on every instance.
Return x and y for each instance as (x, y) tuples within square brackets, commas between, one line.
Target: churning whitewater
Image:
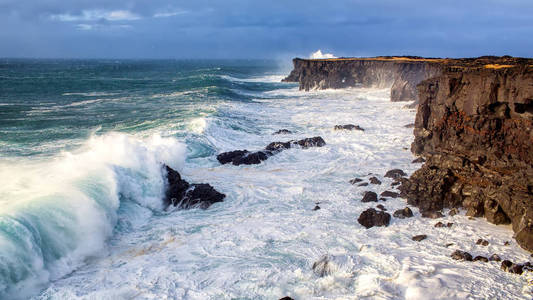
[(82, 149)]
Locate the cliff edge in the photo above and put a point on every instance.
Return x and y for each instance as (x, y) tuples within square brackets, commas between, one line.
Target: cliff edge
[(474, 126)]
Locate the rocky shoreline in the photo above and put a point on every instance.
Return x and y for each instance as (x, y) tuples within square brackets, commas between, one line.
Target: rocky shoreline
[(473, 129)]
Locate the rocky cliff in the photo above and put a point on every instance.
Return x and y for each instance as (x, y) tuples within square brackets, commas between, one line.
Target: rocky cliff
[(474, 126), (401, 74)]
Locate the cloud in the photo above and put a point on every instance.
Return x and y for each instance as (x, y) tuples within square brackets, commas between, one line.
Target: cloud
[(319, 55), (169, 14), (97, 15), (88, 27)]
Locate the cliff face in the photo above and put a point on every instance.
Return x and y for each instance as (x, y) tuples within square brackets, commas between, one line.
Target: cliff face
[(400, 74), (474, 126)]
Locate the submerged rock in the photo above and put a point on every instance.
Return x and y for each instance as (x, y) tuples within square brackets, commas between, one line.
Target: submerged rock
[(495, 257), (324, 266), (370, 197), (374, 180), (432, 214), (371, 217), (482, 242), (481, 258), (303, 143), (183, 195), (419, 160), (316, 208), (348, 127), (380, 206), (403, 213), (283, 131), (355, 180), (363, 184)]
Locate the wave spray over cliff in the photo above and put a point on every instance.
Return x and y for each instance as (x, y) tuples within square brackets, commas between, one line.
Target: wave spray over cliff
[(82, 157)]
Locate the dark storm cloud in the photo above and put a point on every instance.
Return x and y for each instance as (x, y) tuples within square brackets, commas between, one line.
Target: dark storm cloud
[(240, 28)]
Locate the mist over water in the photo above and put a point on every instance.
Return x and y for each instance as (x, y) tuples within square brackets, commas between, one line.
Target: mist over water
[(82, 145)]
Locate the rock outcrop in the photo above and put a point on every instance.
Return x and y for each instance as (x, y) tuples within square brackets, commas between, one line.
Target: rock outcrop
[(474, 127), (401, 74)]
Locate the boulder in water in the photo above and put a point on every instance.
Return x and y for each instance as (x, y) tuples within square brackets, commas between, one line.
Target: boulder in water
[(348, 127), (371, 217), (283, 131)]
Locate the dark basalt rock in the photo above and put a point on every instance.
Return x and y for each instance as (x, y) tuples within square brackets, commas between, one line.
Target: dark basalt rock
[(439, 225), (474, 127), (410, 125), (278, 146), (418, 238), (316, 208), (374, 180), (432, 214), (395, 174), (389, 194), (506, 264), (283, 131), (251, 158), (419, 160), (303, 143), (403, 213), (395, 183), (348, 127), (201, 195), (227, 157), (184, 195), (363, 184), (355, 180), (481, 258), (286, 298), (371, 217), (495, 257), (370, 197), (380, 206), (461, 255), (482, 242), (516, 269)]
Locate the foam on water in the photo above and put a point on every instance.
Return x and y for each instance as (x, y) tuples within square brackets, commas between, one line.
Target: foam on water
[(261, 242), (55, 214)]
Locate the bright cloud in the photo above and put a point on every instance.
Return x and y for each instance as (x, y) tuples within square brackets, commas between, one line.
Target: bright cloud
[(96, 15), (169, 14), (319, 55)]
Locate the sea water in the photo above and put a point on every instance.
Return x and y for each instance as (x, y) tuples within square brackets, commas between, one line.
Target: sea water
[(82, 145)]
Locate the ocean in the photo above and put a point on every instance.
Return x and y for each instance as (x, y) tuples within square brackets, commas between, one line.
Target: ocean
[(82, 145)]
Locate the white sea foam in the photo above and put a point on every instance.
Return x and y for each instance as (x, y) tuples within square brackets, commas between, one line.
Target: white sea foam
[(261, 242), (319, 55), (267, 78), (57, 213)]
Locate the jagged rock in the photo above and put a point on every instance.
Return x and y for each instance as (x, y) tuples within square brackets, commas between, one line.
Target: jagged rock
[(355, 180), (374, 180), (348, 127), (516, 269), (363, 184), (283, 131), (482, 242), (243, 157), (453, 212), (449, 225), (316, 208), (395, 183), (380, 206), (432, 214), (277, 146), (228, 157), (286, 298), (507, 243), (311, 142), (419, 160), (371, 217), (439, 225), (410, 125), (389, 194), (370, 197), (506, 264), (481, 258), (382, 199), (461, 255), (403, 213), (395, 174), (495, 257), (449, 244), (418, 238), (184, 195)]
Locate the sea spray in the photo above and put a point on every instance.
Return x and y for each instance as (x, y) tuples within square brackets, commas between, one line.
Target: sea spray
[(57, 213)]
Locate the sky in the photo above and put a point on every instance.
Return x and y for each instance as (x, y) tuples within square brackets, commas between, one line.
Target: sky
[(264, 29)]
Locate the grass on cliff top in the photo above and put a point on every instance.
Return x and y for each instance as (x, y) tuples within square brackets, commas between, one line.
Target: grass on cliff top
[(497, 66), (392, 58)]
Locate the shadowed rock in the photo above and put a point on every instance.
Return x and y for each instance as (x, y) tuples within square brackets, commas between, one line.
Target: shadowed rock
[(418, 238), (380, 206), (283, 131), (325, 266), (432, 214), (355, 180), (403, 213), (183, 195), (461, 255), (371, 217), (481, 258), (370, 197), (348, 127), (395, 174), (374, 180), (495, 257), (363, 184), (482, 242), (419, 160), (389, 194)]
